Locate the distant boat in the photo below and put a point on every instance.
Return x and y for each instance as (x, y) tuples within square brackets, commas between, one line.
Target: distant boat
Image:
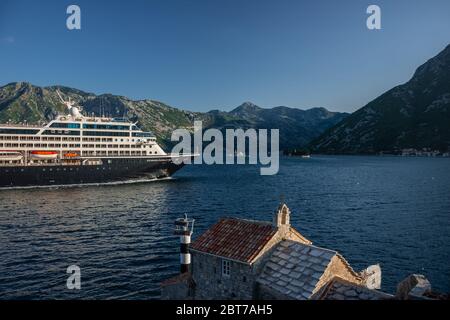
[(304, 153)]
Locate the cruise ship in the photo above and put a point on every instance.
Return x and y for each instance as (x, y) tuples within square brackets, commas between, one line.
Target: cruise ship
[(77, 149)]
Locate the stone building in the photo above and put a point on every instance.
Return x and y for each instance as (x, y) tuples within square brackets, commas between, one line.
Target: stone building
[(244, 259), (299, 271), (229, 257)]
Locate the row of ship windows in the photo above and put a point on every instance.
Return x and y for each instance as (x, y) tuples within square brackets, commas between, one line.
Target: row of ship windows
[(77, 133), (90, 133), (115, 153), (57, 145), (95, 154), (56, 169), (38, 138), (91, 126), (66, 169)]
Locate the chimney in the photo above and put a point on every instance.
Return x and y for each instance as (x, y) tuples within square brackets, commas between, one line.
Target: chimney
[(184, 228), (414, 287)]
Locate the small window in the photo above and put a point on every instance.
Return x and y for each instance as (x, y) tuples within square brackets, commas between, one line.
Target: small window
[(226, 266)]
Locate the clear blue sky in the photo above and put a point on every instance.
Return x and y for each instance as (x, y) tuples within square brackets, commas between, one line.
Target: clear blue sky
[(207, 54)]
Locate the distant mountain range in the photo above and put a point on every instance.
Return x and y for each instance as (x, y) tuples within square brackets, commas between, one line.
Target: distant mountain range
[(413, 115), (22, 102), (297, 127)]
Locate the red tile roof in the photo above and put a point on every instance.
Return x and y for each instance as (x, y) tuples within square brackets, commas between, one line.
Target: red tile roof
[(235, 239)]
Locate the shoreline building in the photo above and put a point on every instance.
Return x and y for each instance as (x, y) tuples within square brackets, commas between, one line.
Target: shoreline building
[(238, 259)]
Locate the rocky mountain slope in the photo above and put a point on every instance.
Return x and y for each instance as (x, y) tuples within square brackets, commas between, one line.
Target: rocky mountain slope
[(413, 115), (23, 102), (297, 127)]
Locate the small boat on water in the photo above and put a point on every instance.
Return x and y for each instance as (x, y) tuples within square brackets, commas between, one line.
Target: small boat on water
[(44, 155), (10, 156), (306, 156)]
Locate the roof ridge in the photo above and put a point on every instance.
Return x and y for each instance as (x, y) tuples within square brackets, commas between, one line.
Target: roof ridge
[(312, 245), (323, 292), (348, 266), (327, 287), (337, 279), (298, 234), (248, 220), (346, 263)]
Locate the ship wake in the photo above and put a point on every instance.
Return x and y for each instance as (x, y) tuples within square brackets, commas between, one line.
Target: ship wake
[(80, 185)]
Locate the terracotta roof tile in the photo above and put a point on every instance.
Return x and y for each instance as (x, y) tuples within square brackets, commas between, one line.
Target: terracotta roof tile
[(235, 239)]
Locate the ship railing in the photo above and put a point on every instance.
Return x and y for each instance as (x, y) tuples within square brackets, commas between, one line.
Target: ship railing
[(22, 125), (39, 164)]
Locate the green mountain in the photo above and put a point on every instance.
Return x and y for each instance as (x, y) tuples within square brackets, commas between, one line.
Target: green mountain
[(297, 127), (413, 115), (22, 102)]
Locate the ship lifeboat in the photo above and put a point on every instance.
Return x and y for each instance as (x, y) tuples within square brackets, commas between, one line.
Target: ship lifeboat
[(44, 155), (71, 155), (10, 156)]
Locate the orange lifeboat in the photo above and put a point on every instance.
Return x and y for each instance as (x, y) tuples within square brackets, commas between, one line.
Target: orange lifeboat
[(71, 155), (44, 155)]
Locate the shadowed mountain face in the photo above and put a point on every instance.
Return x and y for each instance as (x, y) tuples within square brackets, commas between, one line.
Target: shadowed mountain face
[(297, 127), (23, 102), (413, 115)]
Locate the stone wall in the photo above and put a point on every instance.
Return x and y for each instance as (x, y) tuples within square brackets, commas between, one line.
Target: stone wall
[(180, 287), (264, 255), (178, 291), (241, 284), (211, 284), (336, 268)]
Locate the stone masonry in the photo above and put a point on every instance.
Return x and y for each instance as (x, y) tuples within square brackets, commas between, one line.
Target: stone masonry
[(238, 259)]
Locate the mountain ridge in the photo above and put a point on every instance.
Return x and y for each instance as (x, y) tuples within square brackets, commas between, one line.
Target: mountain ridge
[(22, 101), (413, 115)]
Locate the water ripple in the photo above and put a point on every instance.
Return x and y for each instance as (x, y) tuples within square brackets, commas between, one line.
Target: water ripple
[(387, 210)]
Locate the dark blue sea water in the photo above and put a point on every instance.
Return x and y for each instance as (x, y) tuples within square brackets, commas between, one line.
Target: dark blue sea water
[(388, 210)]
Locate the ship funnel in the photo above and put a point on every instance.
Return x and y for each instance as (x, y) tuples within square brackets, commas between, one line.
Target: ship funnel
[(68, 104), (184, 227), (73, 110)]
